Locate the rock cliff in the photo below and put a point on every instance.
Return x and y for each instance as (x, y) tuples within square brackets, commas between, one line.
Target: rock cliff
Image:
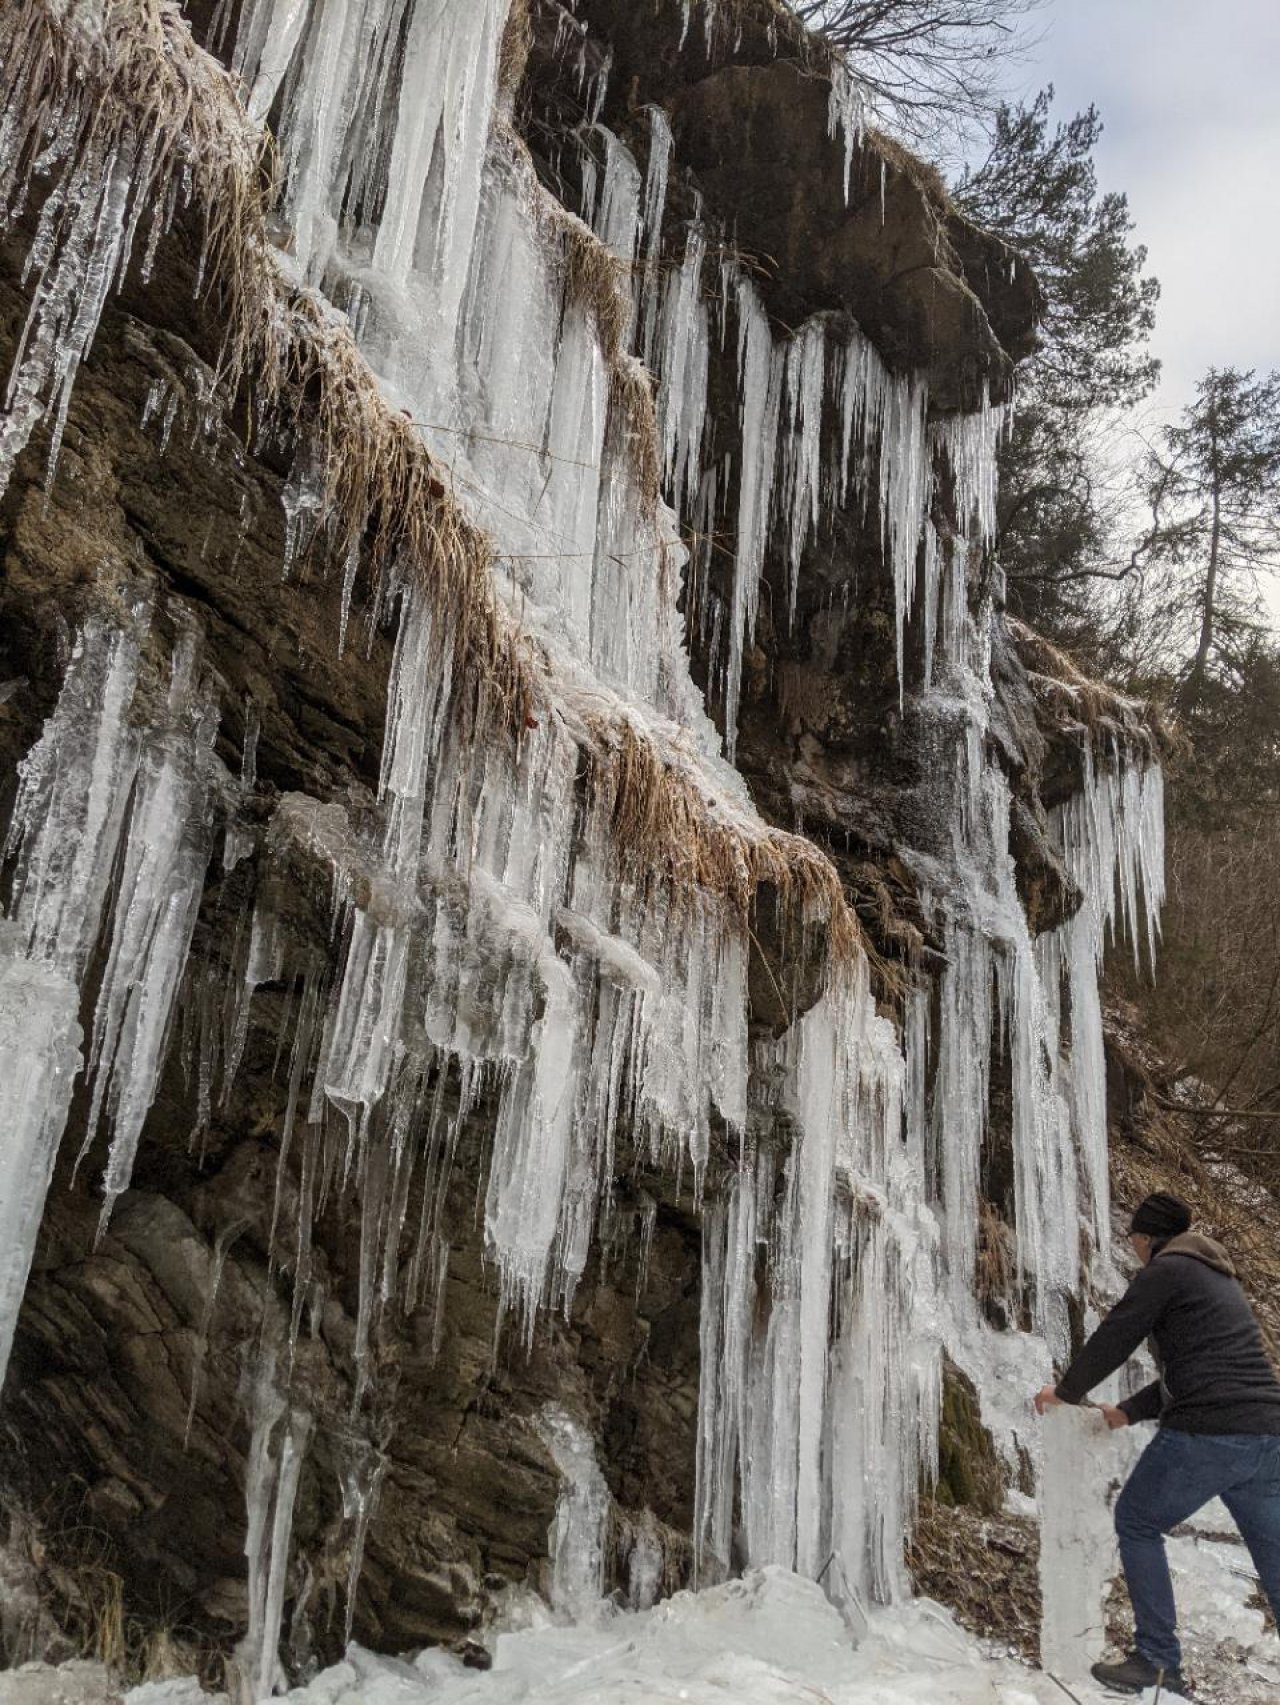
[(269, 1249)]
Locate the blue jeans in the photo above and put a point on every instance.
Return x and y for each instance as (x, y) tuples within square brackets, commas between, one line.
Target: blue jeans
[(1175, 1476)]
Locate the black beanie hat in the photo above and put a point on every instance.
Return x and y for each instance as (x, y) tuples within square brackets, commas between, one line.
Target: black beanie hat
[(1162, 1215)]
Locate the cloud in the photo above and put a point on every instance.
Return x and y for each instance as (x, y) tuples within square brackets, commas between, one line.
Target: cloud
[(1187, 94)]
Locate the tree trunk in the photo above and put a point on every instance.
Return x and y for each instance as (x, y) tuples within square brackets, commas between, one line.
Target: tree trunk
[(1193, 686)]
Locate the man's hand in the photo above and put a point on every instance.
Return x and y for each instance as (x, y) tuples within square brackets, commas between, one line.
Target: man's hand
[(1045, 1399), (1114, 1416)]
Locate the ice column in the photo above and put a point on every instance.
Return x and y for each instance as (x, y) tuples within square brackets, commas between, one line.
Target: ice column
[(759, 379), (649, 279), (39, 1059), (167, 849), (821, 1376), (730, 1234), (72, 795), (579, 1532), (1077, 1540), (84, 234), (279, 1436), (960, 1096)]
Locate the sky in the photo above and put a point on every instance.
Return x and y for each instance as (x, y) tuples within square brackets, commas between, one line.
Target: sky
[(1188, 93)]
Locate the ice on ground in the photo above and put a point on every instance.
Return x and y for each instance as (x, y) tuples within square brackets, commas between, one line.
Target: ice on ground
[(768, 1639)]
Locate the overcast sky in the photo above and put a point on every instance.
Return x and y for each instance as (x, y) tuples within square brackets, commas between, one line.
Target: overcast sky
[(1189, 91)]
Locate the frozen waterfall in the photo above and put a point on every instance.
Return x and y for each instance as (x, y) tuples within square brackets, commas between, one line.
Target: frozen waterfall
[(495, 944)]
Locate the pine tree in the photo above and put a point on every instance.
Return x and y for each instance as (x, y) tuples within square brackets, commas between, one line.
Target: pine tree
[(1214, 490), (1038, 188)]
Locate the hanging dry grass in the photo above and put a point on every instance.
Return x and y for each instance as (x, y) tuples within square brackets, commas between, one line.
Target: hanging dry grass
[(920, 173), (517, 44), (126, 81), (633, 404), (387, 497), (664, 823), (1071, 700), (600, 283), (596, 281)]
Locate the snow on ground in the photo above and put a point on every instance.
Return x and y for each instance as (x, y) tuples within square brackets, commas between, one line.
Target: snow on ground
[(768, 1639), (771, 1638)]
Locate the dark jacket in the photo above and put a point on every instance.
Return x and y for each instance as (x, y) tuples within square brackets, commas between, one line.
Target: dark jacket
[(1215, 1375)]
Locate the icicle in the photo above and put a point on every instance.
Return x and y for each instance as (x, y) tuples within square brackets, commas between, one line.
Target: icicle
[(886, 415), (970, 443), (72, 794), (362, 1472), (1112, 838), (221, 1248), (577, 1538), (238, 842), (279, 1436), (362, 1034), (661, 144), (683, 362), (82, 252), (531, 1147), (847, 114), (167, 848), (805, 388)]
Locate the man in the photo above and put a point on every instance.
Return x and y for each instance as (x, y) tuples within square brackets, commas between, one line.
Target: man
[(1218, 1405)]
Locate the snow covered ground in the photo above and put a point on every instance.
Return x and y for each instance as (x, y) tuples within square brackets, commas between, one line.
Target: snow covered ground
[(773, 1639)]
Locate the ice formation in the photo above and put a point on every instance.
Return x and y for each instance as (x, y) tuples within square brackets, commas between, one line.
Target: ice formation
[(1077, 1540), (104, 810), (580, 1530), (492, 939), (279, 1435), (771, 1639)]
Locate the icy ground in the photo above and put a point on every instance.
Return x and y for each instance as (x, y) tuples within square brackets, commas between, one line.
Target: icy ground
[(773, 1639), (769, 1639)]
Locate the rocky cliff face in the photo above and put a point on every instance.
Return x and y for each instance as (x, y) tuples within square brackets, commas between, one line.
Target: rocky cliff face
[(280, 1303)]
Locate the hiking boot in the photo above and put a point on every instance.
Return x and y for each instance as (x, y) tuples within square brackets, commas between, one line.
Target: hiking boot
[(1137, 1674)]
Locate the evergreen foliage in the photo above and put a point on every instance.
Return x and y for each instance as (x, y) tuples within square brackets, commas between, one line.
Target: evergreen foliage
[(1038, 189), (1214, 489)]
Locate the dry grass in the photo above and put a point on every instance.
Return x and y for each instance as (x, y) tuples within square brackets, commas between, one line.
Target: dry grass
[(665, 825), (517, 43), (1070, 700), (599, 282), (138, 87), (985, 1568), (924, 176)]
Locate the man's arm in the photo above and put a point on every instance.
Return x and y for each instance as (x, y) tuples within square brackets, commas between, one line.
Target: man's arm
[(1144, 1405), (1119, 1335)]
